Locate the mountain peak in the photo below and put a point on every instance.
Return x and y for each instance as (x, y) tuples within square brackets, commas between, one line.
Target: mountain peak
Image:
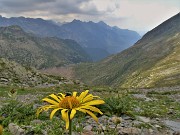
[(102, 23), (76, 21)]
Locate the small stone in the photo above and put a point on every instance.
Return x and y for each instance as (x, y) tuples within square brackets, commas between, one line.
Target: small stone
[(170, 111), (157, 126), (157, 119), (88, 128), (15, 129), (143, 119), (129, 131), (137, 122), (44, 132), (150, 130), (101, 127), (86, 132), (125, 117)]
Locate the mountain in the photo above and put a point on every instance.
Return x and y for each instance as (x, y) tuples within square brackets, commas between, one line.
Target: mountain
[(154, 61), (98, 39), (12, 73), (40, 52)]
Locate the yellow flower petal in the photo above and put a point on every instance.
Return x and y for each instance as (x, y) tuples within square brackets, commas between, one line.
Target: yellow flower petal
[(74, 94), (65, 117), (55, 97), (92, 108), (90, 113), (94, 102), (88, 98), (53, 112), (73, 112), (62, 95), (50, 101), (81, 110), (44, 108), (82, 95)]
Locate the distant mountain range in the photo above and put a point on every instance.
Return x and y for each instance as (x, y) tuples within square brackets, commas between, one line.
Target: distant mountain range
[(40, 52), (154, 61), (99, 40)]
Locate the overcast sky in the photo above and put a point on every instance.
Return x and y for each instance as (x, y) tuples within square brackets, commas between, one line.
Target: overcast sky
[(138, 15)]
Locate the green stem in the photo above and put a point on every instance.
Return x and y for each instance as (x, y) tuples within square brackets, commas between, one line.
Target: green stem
[(70, 125)]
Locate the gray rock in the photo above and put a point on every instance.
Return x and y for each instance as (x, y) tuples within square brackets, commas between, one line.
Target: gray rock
[(89, 128), (44, 132), (143, 119), (129, 131), (175, 126), (126, 117), (15, 129), (102, 128), (86, 132)]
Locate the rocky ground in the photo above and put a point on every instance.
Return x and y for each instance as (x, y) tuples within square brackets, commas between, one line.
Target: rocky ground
[(114, 125), (108, 125)]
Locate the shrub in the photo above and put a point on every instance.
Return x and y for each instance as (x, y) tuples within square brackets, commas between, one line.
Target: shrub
[(117, 105)]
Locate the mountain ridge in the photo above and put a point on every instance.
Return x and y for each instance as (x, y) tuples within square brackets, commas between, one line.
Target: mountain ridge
[(154, 59), (91, 36)]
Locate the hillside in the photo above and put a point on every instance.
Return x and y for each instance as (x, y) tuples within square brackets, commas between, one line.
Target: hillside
[(12, 73), (154, 61), (29, 50), (98, 39)]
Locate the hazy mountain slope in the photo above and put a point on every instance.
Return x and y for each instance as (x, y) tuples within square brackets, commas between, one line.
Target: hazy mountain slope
[(99, 36), (152, 61), (29, 50), (98, 39)]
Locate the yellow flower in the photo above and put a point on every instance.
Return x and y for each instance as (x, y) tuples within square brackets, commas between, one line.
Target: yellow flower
[(70, 104), (1, 130)]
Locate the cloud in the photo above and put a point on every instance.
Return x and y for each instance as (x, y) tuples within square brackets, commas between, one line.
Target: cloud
[(139, 15), (56, 7)]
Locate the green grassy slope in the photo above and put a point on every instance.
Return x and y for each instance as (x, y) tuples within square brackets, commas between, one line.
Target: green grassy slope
[(152, 61)]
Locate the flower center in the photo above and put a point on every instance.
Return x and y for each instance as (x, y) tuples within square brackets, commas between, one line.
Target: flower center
[(69, 102)]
